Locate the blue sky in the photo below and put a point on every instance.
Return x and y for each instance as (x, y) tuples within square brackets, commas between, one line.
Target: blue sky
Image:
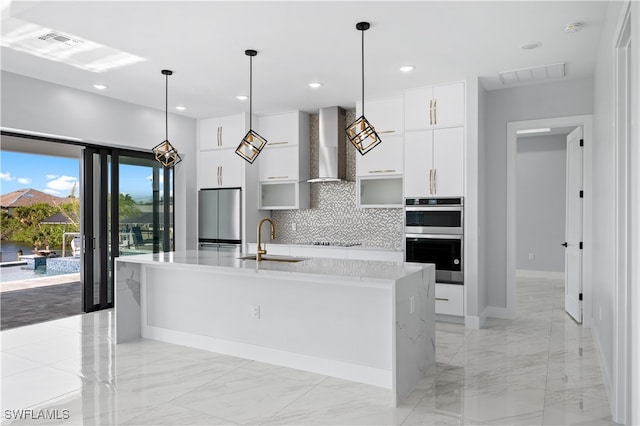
[(57, 175)]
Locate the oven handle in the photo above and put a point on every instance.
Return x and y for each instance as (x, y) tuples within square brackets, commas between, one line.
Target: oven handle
[(433, 208), (433, 236)]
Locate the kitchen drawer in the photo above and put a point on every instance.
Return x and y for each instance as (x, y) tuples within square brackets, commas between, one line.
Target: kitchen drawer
[(450, 299)]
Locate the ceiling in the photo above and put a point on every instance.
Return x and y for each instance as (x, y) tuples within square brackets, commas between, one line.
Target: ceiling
[(298, 42)]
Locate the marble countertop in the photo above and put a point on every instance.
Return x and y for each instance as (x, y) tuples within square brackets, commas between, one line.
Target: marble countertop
[(336, 269)]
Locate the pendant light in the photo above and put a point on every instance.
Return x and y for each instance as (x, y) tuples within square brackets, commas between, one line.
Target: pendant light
[(252, 143), (361, 133), (165, 153)]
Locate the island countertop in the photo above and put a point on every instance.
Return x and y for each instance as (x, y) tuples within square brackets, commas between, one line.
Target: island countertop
[(342, 269)]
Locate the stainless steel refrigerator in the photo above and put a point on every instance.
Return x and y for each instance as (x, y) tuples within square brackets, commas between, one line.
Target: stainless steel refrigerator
[(219, 216)]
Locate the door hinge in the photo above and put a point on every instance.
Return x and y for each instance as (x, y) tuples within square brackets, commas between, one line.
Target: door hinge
[(581, 194), (581, 142), (580, 296), (580, 245)]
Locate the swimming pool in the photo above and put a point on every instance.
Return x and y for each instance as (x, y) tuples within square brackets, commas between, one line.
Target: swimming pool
[(20, 272)]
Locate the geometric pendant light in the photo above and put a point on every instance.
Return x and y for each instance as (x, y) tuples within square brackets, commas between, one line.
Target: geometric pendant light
[(361, 133), (252, 143), (165, 153)]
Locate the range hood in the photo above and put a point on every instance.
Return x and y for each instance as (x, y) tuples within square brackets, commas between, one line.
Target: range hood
[(332, 149)]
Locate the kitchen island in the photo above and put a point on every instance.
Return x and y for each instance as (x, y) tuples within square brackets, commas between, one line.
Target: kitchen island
[(368, 321)]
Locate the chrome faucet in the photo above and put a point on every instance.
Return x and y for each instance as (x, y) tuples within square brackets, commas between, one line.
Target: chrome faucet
[(261, 250)]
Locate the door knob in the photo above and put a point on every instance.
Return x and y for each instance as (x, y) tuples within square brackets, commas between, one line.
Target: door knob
[(565, 244)]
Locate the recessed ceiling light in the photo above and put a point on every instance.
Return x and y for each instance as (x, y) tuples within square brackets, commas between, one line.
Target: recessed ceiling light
[(181, 107), (100, 86), (530, 131), (572, 27), (315, 85), (530, 45), (407, 68), (242, 97)]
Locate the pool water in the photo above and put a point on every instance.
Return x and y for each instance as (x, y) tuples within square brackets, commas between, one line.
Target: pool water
[(20, 272)]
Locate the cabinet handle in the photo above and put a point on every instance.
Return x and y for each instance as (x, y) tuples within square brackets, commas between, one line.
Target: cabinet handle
[(430, 181), (381, 132), (278, 143), (219, 136), (442, 299), (221, 176), (431, 112), (278, 177), (435, 112), (218, 175), (435, 181), (382, 171)]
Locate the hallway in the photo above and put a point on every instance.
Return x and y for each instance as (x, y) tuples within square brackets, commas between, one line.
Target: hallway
[(540, 368)]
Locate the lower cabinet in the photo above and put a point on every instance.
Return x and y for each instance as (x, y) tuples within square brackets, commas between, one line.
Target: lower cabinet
[(450, 299)]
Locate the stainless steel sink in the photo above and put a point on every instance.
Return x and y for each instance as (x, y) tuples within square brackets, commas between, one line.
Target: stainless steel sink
[(272, 258)]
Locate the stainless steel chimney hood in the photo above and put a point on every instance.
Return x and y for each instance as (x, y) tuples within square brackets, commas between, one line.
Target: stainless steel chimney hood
[(332, 149)]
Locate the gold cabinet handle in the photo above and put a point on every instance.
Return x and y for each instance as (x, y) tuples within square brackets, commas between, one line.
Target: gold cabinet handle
[(435, 181), (278, 177), (442, 299), (430, 181), (219, 172), (382, 171), (431, 112), (219, 136), (278, 143), (221, 179), (381, 132), (435, 112)]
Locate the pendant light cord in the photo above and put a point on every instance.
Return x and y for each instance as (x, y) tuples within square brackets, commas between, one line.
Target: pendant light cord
[(362, 31), (250, 90), (166, 108)]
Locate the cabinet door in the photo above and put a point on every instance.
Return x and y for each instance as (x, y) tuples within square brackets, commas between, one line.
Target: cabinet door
[(448, 161), (279, 129), (417, 109), (208, 133), (385, 159), (449, 299), (418, 162), (231, 131), (230, 168), (279, 163), (208, 169), (385, 115), (449, 105)]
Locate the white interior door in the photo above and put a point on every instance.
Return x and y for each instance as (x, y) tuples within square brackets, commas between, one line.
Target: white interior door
[(573, 229)]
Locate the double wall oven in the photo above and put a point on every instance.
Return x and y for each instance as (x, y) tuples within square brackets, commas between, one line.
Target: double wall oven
[(434, 234)]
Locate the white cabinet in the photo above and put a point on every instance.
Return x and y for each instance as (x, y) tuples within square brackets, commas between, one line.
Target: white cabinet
[(434, 107), (434, 163), (219, 169), (385, 159), (385, 115), (379, 192), (284, 162), (450, 299), (221, 132)]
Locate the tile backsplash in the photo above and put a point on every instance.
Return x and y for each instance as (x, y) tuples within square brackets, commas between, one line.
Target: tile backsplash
[(334, 215)]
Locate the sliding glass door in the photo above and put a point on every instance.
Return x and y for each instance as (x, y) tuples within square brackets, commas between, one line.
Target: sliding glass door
[(127, 210)]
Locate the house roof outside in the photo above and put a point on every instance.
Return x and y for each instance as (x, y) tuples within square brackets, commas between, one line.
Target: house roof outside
[(29, 197)]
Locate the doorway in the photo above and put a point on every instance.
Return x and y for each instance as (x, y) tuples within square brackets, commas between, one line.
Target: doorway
[(511, 262)]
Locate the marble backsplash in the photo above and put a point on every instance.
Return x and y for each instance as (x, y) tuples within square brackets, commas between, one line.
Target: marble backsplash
[(334, 215)]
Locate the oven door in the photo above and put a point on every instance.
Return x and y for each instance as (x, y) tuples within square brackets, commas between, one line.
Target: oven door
[(443, 250), (433, 220)]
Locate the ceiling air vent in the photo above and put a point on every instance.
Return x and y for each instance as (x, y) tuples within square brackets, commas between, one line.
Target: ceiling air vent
[(531, 75)]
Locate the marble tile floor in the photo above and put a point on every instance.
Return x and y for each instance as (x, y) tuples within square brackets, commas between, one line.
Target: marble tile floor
[(539, 369)]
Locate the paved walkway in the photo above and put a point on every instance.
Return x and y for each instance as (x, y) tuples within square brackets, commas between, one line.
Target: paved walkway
[(43, 299)]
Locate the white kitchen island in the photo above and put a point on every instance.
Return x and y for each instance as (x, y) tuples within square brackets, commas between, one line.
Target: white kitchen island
[(368, 321)]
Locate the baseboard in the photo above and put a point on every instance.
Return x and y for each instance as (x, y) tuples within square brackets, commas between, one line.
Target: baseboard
[(450, 318), (606, 374), (497, 312), (523, 273), (474, 323)]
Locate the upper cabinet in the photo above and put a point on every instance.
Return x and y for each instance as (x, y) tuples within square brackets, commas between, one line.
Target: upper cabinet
[(221, 168), (434, 107), (284, 161), (221, 132), (385, 115)]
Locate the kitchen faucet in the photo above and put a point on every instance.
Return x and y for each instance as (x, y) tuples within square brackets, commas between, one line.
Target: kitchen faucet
[(260, 250)]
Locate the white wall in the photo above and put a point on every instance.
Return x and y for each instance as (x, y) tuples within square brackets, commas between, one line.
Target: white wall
[(540, 208), (567, 98), (39, 106), (604, 191), (482, 203)]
